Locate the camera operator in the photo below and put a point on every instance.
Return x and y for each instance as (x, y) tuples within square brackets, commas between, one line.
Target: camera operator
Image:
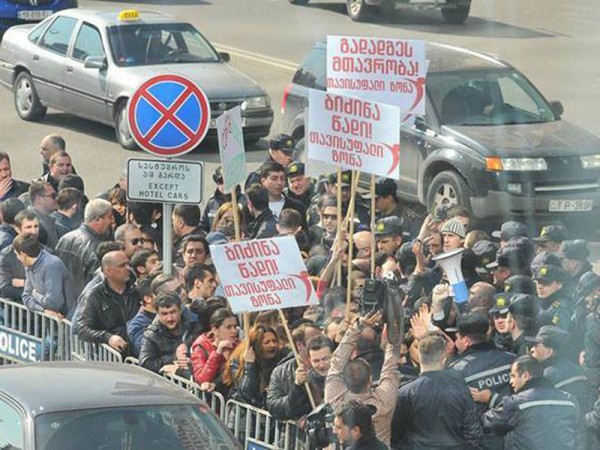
[(353, 426), (352, 379)]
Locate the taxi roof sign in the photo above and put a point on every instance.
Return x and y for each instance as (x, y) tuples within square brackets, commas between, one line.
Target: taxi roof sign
[(129, 15)]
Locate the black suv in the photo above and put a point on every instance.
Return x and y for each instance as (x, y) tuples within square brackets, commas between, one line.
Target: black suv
[(489, 140)]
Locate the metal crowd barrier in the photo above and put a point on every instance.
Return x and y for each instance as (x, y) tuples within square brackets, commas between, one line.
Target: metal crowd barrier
[(255, 427), (215, 400), (81, 350), (30, 336)]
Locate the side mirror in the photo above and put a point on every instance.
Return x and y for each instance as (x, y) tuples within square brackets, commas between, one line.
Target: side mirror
[(95, 62), (557, 108), (421, 123), (226, 57)]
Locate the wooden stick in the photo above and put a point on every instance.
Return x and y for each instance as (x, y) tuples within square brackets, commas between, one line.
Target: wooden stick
[(238, 237), (351, 207), (296, 355), (236, 218), (373, 242), (339, 224)]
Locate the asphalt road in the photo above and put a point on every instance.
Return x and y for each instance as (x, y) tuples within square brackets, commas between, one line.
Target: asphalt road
[(554, 42)]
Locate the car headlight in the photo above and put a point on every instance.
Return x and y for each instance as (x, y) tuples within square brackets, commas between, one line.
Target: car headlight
[(590, 162), (516, 164), (260, 102)]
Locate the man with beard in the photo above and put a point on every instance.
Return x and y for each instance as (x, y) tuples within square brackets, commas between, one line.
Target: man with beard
[(287, 398), (163, 346)]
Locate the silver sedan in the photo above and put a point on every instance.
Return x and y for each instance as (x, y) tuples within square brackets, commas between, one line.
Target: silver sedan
[(89, 63)]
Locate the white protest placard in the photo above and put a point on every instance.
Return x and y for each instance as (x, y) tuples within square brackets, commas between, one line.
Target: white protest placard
[(151, 180), (384, 70), (231, 147), (263, 274), (352, 133)]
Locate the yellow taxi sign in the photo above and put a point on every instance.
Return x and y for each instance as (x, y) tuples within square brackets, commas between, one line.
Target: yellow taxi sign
[(129, 15)]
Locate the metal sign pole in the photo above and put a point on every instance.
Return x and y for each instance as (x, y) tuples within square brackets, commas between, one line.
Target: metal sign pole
[(167, 239)]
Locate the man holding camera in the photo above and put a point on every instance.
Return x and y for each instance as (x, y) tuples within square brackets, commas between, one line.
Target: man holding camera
[(353, 426), (351, 379)]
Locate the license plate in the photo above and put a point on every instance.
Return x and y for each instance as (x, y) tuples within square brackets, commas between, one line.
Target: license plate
[(437, 2), (570, 205), (213, 123), (37, 14)]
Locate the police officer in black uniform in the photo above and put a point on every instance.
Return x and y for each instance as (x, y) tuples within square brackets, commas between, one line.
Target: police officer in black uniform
[(538, 416), (554, 300), (575, 256), (388, 204), (484, 367), (521, 323), (300, 187), (281, 150)]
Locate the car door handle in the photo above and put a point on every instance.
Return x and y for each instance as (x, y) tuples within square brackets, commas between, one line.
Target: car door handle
[(69, 69), (36, 58)]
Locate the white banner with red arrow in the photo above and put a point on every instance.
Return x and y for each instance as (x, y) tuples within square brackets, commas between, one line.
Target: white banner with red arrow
[(352, 133), (263, 274)]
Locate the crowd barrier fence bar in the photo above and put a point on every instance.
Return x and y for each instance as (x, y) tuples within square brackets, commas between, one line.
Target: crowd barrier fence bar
[(252, 425), (30, 336), (81, 350)]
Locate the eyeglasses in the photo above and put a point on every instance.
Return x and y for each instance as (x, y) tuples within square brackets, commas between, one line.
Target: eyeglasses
[(329, 216), (137, 241)]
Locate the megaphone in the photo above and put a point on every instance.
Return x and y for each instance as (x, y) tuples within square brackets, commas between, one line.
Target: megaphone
[(450, 263)]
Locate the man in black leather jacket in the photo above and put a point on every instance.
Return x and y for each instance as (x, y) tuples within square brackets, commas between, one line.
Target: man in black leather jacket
[(538, 416), (436, 409), (108, 305), (164, 346)]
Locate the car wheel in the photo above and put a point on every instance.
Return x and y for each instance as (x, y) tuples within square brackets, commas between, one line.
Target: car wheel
[(456, 16), (124, 137), (358, 10), (448, 187), (299, 2), (27, 102)]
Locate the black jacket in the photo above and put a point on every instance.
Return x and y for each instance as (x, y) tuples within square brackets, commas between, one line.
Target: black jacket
[(159, 346), (483, 366), (77, 249), (569, 377), (539, 416), (368, 443), (285, 399), (263, 226), (106, 312), (10, 267), (436, 411)]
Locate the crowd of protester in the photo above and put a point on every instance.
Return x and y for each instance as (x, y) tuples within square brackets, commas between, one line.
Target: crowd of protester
[(516, 366)]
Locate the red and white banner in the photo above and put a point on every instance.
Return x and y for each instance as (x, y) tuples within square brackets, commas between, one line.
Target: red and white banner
[(391, 71), (263, 274), (351, 133)]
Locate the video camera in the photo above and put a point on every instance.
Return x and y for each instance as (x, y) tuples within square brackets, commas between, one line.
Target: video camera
[(386, 296), (319, 426)]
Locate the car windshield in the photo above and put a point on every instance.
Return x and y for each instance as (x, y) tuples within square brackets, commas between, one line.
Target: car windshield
[(163, 427), (486, 98), (146, 44)]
